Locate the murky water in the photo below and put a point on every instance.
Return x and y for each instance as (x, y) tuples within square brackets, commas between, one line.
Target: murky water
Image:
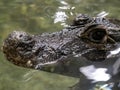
[(37, 16)]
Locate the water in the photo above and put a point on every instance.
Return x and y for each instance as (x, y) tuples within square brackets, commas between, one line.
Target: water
[(37, 16)]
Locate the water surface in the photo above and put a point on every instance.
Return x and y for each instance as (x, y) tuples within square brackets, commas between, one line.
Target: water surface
[(38, 16)]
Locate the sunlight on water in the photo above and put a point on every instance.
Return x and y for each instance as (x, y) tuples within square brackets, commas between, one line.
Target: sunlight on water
[(104, 87), (102, 14), (60, 17), (114, 52), (95, 74), (28, 76)]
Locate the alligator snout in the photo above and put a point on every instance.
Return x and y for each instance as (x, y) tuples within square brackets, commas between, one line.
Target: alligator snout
[(17, 47)]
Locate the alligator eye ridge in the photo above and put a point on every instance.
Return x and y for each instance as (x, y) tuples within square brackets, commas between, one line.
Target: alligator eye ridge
[(82, 19)]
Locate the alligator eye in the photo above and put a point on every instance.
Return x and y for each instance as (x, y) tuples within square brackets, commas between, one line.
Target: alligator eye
[(97, 35)]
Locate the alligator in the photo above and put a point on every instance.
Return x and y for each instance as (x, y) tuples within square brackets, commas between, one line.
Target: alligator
[(87, 44)]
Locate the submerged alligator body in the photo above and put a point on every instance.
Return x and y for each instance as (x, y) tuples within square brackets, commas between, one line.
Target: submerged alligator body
[(87, 42)]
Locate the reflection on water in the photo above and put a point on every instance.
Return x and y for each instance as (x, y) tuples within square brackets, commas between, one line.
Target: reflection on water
[(114, 52), (102, 14), (95, 74), (28, 76), (37, 16), (104, 87), (60, 17)]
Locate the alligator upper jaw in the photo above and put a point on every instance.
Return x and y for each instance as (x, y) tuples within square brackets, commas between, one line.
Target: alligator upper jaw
[(15, 38)]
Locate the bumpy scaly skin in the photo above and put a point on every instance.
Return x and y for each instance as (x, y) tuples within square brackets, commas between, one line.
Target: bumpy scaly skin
[(90, 37)]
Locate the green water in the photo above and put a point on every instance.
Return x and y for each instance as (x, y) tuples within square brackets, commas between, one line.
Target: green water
[(37, 16)]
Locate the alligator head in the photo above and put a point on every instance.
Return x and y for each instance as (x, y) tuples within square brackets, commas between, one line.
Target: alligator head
[(87, 38)]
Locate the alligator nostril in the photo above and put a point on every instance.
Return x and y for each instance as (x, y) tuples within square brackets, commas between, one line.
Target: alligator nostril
[(20, 35)]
